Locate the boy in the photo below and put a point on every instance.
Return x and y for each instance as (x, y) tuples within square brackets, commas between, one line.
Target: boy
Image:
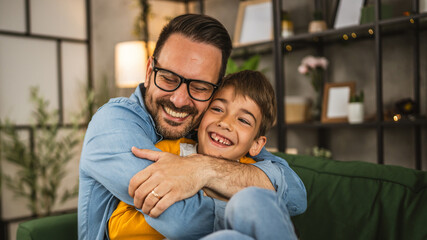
[(234, 125)]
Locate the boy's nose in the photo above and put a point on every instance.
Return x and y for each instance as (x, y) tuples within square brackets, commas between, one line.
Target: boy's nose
[(225, 124), (180, 97)]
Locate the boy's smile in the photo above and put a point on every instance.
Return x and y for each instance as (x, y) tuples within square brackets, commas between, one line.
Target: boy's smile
[(229, 126)]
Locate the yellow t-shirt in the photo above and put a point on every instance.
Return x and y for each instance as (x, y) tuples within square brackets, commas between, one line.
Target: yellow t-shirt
[(127, 223)]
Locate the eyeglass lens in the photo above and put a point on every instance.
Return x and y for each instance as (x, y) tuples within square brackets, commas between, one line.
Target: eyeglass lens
[(169, 81)]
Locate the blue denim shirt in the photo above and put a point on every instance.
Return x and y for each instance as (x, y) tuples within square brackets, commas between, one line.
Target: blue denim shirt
[(107, 165)]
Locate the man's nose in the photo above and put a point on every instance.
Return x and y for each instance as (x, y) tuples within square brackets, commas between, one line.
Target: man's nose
[(180, 97)]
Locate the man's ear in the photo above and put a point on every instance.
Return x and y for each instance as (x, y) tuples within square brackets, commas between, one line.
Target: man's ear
[(149, 70), (257, 145)]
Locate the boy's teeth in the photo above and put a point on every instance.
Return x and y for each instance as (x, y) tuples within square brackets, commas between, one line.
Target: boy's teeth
[(175, 114), (221, 140)]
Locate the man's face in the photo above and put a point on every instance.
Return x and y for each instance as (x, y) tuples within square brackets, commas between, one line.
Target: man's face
[(229, 126), (176, 113)]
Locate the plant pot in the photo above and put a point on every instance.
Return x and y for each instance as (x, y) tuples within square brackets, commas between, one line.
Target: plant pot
[(317, 26), (355, 112), (287, 29)]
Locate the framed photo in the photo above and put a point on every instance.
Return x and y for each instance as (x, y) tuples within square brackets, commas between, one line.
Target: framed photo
[(335, 101), (423, 6), (254, 22), (348, 12)]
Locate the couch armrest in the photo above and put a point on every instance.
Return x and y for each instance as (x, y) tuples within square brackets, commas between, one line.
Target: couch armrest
[(49, 228)]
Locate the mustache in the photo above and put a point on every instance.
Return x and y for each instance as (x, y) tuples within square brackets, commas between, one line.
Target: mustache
[(185, 109)]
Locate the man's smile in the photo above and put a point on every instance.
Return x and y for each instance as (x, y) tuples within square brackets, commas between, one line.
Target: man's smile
[(175, 114)]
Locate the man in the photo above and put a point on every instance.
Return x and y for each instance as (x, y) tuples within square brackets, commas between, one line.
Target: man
[(194, 49)]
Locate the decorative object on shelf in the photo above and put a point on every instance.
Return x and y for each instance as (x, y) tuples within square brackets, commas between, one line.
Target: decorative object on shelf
[(297, 109), (368, 13), (314, 67), (423, 6), (254, 22), (356, 108), (348, 13), (287, 25), (318, 24), (335, 101), (42, 168), (405, 109), (320, 152)]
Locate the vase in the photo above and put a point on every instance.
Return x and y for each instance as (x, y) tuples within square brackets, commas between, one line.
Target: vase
[(317, 26), (317, 106), (287, 29), (317, 83), (355, 112)]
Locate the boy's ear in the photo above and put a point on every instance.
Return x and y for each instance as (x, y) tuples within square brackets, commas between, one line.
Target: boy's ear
[(257, 145)]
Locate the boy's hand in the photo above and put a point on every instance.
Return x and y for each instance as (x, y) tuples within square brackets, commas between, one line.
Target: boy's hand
[(170, 179)]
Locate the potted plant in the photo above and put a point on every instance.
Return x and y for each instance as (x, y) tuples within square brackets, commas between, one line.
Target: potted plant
[(356, 109), (315, 67), (41, 168)]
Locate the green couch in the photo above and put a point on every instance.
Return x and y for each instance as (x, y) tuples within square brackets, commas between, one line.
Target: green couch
[(346, 200)]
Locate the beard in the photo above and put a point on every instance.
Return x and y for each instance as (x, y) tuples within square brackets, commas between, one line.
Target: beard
[(174, 130), (167, 128)]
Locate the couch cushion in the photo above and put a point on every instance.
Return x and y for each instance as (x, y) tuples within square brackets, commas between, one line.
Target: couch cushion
[(359, 200), (62, 227)]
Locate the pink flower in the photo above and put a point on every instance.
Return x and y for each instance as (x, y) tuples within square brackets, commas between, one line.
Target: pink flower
[(303, 69), (323, 63), (309, 62)]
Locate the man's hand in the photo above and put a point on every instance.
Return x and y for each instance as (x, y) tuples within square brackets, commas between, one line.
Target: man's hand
[(170, 179)]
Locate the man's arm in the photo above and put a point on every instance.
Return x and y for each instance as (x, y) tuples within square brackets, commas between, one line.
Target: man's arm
[(107, 158), (222, 176)]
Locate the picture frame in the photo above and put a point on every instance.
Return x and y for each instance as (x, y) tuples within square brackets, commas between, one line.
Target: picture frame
[(254, 22), (335, 101), (347, 13), (422, 6)]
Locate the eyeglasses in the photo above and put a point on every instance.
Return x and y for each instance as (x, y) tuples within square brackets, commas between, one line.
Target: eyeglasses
[(169, 81)]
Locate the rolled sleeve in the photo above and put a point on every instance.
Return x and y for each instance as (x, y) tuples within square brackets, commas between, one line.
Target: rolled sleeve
[(288, 185)]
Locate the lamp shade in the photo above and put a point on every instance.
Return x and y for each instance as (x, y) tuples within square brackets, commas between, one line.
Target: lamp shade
[(130, 63)]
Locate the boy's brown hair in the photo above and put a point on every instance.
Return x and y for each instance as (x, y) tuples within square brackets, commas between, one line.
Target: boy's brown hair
[(255, 85)]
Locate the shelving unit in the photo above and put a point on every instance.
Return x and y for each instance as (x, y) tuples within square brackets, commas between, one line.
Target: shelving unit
[(376, 32)]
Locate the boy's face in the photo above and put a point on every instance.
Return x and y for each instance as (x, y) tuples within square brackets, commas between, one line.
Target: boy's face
[(229, 126)]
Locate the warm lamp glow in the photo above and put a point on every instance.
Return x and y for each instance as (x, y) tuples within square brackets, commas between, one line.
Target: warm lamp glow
[(131, 63)]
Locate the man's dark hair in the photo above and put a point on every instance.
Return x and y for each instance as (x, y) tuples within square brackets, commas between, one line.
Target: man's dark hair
[(199, 28)]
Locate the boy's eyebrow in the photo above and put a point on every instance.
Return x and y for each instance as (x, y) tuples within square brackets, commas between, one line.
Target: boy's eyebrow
[(249, 113), (242, 109)]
